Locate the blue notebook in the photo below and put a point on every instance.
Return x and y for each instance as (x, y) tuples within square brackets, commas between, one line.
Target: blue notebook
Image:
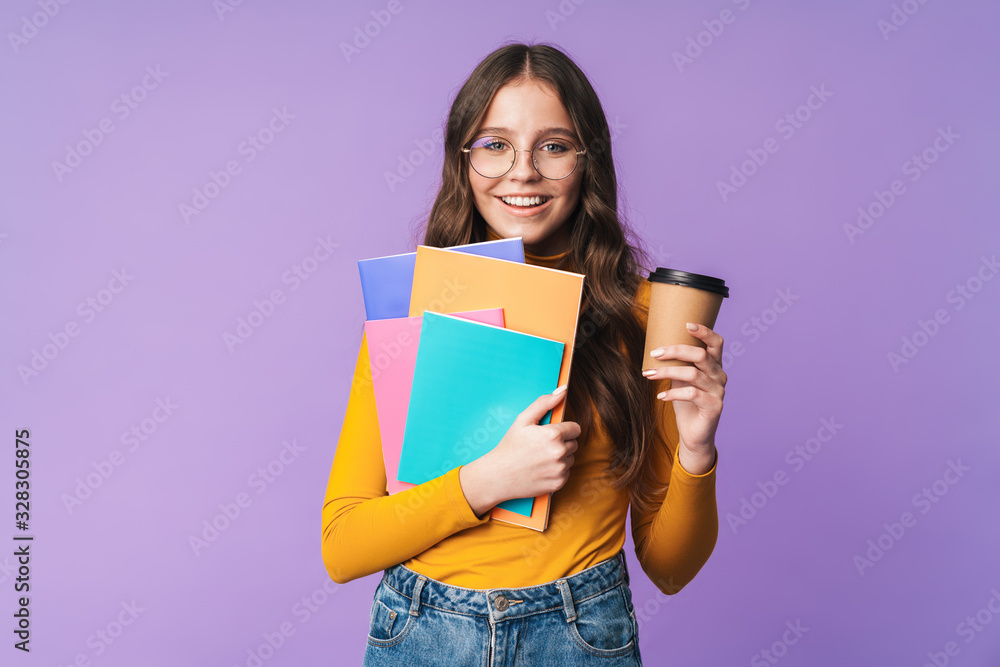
[(386, 282), (470, 382)]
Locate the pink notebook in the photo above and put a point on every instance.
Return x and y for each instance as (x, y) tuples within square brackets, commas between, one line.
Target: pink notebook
[(392, 353)]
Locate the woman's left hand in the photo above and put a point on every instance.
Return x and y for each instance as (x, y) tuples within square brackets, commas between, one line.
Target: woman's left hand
[(697, 392)]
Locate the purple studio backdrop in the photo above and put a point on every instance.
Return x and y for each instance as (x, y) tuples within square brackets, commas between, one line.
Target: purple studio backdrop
[(187, 188)]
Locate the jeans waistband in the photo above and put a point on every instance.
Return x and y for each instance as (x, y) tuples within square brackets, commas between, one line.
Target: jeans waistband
[(505, 603)]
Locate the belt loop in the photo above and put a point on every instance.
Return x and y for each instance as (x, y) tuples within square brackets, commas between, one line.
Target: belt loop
[(625, 567), (415, 602), (568, 607)]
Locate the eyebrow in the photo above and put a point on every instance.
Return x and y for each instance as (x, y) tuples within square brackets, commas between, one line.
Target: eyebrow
[(548, 131)]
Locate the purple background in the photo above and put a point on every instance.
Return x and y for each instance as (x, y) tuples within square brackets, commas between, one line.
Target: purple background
[(680, 130)]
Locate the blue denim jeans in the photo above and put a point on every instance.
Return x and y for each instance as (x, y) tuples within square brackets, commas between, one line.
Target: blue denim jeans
[(584, 619)]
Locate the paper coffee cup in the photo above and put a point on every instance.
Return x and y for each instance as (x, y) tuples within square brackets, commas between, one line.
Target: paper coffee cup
[(676, 298)]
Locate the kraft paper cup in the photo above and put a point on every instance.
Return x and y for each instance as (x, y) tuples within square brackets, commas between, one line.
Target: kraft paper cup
[(676, 298)]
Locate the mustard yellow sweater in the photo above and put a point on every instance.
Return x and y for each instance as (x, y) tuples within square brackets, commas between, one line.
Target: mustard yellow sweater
[(431, 528)]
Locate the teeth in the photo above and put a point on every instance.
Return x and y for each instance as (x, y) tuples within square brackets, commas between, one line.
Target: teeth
[(524, 201)]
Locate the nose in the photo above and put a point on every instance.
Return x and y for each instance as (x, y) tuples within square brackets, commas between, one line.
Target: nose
[(523, 169)]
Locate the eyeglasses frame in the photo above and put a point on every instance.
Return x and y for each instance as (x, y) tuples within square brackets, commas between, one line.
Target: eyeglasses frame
[(533, 165)]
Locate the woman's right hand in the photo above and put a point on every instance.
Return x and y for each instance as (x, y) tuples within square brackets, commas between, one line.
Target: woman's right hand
[(530, 460)]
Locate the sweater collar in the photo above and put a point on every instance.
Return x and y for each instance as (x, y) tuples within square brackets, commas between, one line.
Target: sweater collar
[(550, 261)]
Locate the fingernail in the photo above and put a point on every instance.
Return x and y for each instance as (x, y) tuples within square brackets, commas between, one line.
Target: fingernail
[(657, 352), (649, 372), (692, 326), (560, 390)]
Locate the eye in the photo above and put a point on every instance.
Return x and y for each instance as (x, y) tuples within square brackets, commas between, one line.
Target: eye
[(491, 144), (555, 147)]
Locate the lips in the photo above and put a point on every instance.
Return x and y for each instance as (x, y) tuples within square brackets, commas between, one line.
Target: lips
[(524, 210), (525, 199)]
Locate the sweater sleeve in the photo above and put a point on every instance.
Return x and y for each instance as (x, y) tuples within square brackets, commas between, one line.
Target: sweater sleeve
[(676, 537), (674, 541), (365, 529)]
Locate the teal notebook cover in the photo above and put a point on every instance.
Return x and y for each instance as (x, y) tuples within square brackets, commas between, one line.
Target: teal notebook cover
[(470, 382)]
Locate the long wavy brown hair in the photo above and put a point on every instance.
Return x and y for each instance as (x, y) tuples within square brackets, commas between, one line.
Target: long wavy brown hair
[(610, 338)]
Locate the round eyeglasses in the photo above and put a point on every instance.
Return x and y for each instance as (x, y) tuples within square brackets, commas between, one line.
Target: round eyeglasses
[(553, 158)]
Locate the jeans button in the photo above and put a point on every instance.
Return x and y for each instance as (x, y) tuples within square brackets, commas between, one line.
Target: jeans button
[(502, 603)]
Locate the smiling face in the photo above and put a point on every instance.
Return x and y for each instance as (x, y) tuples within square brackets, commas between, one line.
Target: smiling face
[(524, 114)]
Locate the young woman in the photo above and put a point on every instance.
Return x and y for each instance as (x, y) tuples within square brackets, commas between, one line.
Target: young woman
[(528, 153)]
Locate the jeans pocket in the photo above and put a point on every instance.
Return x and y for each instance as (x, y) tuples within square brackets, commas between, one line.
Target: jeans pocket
[(604, 625), (390, 618)]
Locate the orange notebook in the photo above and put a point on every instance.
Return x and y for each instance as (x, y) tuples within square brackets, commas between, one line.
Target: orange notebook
[(536, 300)]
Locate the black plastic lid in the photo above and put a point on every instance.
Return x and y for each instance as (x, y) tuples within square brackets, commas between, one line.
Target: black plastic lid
[(696, 280)]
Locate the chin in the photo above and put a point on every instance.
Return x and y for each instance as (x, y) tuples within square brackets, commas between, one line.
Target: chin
[(527, 230)]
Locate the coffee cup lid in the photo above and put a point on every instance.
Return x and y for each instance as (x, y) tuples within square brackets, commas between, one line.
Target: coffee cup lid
[(696, 280)]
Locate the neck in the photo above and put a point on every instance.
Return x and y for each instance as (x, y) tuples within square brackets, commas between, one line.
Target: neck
[(550, 247), (534, 255)]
